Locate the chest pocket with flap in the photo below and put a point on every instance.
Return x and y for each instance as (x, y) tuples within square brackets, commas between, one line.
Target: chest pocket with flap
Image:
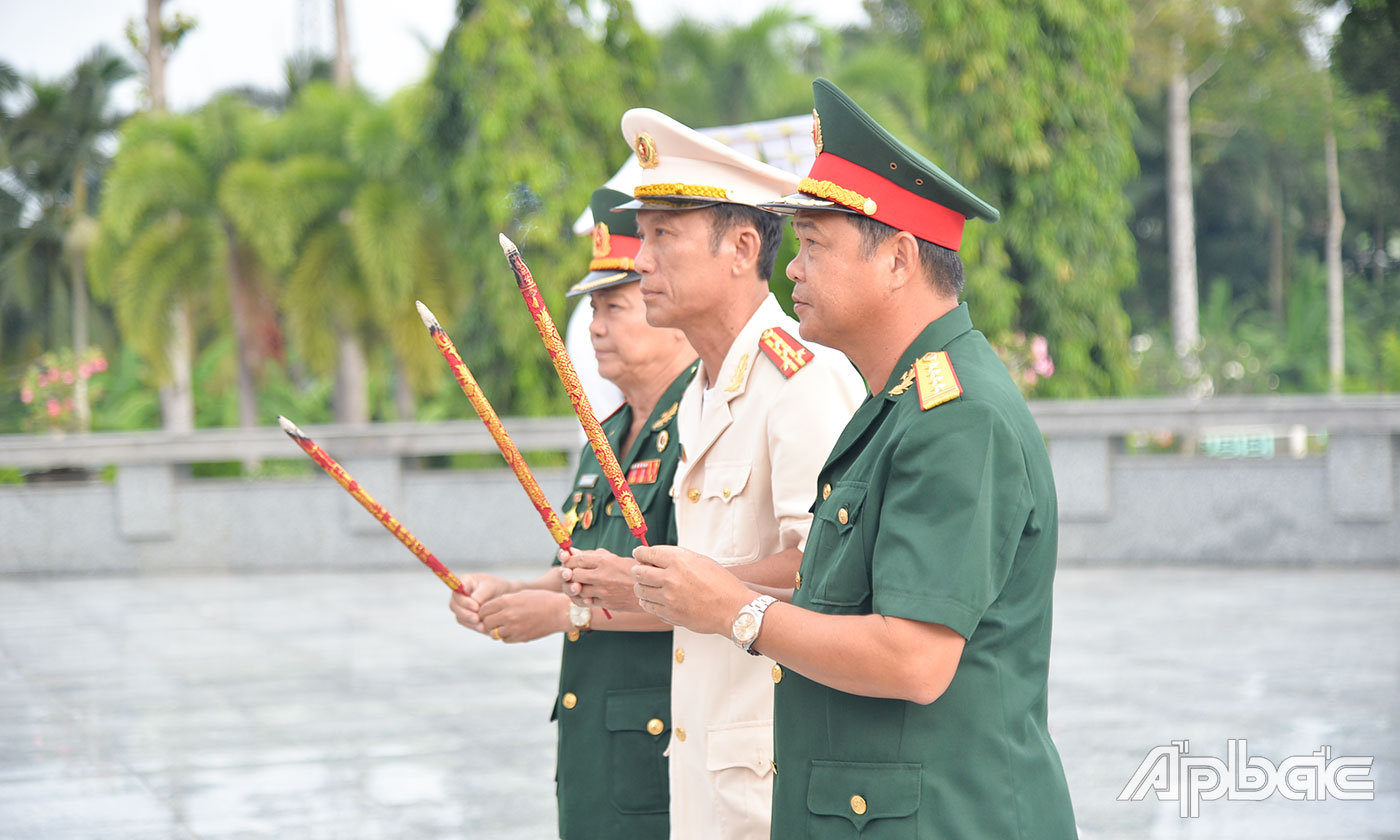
[(840, 572)]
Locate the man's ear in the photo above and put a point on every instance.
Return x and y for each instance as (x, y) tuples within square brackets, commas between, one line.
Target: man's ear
[(905, 264), (746, 247)]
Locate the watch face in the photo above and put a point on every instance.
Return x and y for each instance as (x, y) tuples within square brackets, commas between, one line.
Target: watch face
[(745, 627)]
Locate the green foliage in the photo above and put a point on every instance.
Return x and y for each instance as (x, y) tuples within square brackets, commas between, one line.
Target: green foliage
[(327, 213), (1024, 103), (523, 107)]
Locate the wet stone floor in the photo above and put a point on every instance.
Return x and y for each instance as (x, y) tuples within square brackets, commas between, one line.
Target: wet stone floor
[(352, 706)]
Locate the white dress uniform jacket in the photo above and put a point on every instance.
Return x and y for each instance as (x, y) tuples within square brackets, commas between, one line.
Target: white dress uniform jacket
[(743, 491)]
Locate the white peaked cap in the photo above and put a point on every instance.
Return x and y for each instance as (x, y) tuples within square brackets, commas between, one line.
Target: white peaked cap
[(682, 168)]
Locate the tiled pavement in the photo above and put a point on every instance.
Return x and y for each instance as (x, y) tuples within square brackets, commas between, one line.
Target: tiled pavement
[(352, 706)]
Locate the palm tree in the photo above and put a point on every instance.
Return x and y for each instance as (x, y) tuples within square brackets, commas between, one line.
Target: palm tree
[(52, 151), (337, 215), (164, 244)]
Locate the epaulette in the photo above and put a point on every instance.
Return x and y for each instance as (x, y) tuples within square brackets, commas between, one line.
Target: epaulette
[(784, 351), (938, 382)]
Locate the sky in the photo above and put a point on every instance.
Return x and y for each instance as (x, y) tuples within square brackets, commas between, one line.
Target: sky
[(246, 42)]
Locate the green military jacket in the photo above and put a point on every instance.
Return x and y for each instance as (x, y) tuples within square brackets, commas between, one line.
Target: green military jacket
[(614, 701), (944, 515)]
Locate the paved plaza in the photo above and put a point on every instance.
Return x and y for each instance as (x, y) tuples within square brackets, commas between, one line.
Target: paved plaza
[(352, 706)]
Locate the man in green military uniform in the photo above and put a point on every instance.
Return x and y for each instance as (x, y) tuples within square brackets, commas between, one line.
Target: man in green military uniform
[(614, 700), (913, 655)]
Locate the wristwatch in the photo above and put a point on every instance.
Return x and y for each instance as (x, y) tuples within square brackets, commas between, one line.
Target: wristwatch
[(746, 625), (580, 617)]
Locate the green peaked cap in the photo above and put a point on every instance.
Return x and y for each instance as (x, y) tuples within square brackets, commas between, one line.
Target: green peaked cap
[(615, 244), (862, 168), (621, 223)]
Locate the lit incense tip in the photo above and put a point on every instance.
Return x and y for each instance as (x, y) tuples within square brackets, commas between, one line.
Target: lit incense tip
[(426, 314), (507, 245), (289, 427)]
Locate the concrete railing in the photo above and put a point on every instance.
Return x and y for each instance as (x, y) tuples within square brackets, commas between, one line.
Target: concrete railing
[(1115, 506)]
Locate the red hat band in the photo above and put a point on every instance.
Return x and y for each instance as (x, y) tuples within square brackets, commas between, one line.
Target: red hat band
[(612, 252), (851, 185)]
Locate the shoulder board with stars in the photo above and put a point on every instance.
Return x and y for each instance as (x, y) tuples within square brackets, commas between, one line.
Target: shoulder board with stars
[(784, 351), (937, 381)]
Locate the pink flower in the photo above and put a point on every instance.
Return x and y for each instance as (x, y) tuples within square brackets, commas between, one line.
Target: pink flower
[(26, 396), (68, 377), (43, 379), (99, 364), (84, 370), (1029, 377), (54, 408)]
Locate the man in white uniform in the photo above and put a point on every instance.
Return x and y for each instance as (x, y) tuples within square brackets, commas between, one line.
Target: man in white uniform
[(755, 425)]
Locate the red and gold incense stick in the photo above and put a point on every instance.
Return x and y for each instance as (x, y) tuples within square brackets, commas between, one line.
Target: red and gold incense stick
[(337, 472), (495, 427), (564, 366)]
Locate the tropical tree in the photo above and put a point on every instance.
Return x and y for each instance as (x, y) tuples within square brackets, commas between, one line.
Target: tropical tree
[(727, 75), (1024, 103), (164, 244), (330, 206), (53, 156), (521, 123)]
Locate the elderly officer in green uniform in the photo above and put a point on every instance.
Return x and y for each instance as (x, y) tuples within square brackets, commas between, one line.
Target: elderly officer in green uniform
[(913, 656), (614, 700)]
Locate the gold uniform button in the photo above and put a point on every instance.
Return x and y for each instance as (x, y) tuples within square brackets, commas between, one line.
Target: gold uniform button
[(843, 516), (610, 508), (797, 583), (724, 492), (570, 700), (573, 635), (826, 491), (680, 655), (655, 726), (680, 734), (693, 494), (858, 804), (775, 767), (777, 673)]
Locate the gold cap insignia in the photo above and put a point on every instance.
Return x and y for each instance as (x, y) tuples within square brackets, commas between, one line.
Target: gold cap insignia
[(817, 130), (602, 242), (646, 151)]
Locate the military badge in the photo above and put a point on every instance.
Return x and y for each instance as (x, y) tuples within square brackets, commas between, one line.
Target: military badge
[(646, 151), (662, 439), (586, 520), (644, 472), (784, 351), (571, 517), (588, 480), (738, 378), (665, 417), (816, 131), (602, 245), (906, 381), (937, 381)]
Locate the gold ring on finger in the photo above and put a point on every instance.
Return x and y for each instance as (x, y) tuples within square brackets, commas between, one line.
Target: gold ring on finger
[(496, 634)]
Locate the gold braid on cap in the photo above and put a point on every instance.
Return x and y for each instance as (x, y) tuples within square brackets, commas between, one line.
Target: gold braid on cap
[(838, 194), (610, 263), (662, 190)]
